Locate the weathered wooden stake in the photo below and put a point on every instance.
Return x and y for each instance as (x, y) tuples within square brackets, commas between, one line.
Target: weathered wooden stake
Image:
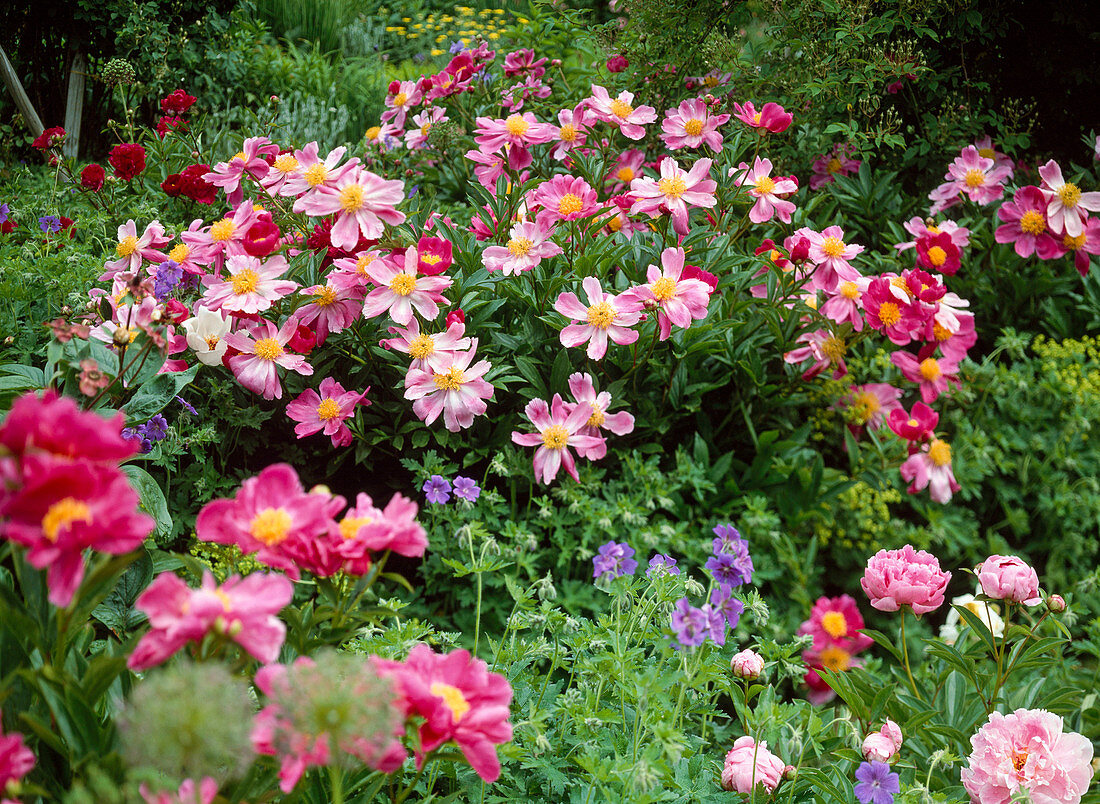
[(74, 106), (11, 80)]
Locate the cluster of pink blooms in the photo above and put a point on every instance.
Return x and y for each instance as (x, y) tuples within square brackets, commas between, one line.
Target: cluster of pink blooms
[(578, 424), (884, 744), (835, 625), (62, 492)]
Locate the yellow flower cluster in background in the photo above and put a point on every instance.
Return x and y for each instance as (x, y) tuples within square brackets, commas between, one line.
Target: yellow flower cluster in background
[(464, 25), (864, 523), (1076, 363)]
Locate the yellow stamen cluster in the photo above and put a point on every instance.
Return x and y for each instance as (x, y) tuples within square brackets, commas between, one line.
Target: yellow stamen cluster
[(570, 204), (328, 409), (693, 127), (271, 526), (835, 624), (601, 315), (245, 281), (324, 296), (930, 369), (516, 125), (350, 525), (452, 698), (179, 253), (403, 284), (62, 514), (520, 246), (975, 178), (664, 288), (597, 418), (268, 349), (222, 230), (673, 187), (765, 185), (568, 133), (285, 163), (832, 246), (315, 174), (834, 348), (625, 173), (939, 452), (450, 380), (351, 198), (1033, 222), (555, 437), (126, 246), (421, 347), (937, 256), (1070, 195), (849, 290), (621, 108)]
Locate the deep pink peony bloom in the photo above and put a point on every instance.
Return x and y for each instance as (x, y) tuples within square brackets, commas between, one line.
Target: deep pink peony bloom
[(460, 702), (54, 426), (573, 130), (826, 349), (1025, 224), (677, 300), (930, 374), (559, 426), (271, 516), (242, 610), (905, 577), (771, 117), (334, 307), (1027, 750), (261, 349), (766, 190), (365, 529), (251, 287), (750, 764), (607, 316), (915, 426), (563, 198), (458, 391), (250, 161), (400, 98), (674, 191), (16, 760), (328, 411), (836, 621), (837, 162), (1009, 578), (938, 252), (516, 134)]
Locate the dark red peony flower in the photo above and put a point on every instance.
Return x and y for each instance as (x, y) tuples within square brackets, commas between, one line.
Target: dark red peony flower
[(128, 160), (617, 63), (91, 178), (50, 138), (195, 187), (177, 102)]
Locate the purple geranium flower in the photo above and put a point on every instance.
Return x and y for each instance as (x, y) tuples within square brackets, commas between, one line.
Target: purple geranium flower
[(49, 223), (877, 783), (467, 489), (729, 570), (727, 535), (716, 624), (437, 489), (457, 47), (169, 274), (661, 562), (614, 558), (156, 429), (187, 406), (4, 210), (729, 606), (689, 625)]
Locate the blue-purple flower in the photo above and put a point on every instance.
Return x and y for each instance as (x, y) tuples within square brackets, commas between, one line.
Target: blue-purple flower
[(466, 489), (690, 625), (729, 570), (437, 489), (614, 559), (877, 783), (4, 211), (187, 406), (49, 224), (724, 602), (457, 47), (169, 274), (148, 434), (662, 563)]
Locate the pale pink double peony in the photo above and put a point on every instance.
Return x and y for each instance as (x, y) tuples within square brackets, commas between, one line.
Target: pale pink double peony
[(1027, 750), (1009, 578), (905, 577), (748, 664), (749, 764)]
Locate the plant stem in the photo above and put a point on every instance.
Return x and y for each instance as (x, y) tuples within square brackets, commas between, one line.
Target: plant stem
[(905, 656)]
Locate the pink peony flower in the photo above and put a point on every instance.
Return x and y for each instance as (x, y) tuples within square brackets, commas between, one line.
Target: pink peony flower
[(930, 374), (260, 350), (674, 191), (919, 227), (365, 529), (270, 516), (400, 98), (429, 352), (750, 764), (747, 664), (905, 577), (824, 348), (362, 202), (882, 745), (836, 621), (563, 198), (690, 125), (845, 304), (400, 290), (559, 427), (1027, 751), (831, 255), (677, 300), (606, 316), (251, 287), (1025, 224), (584, 392), (459, 700), (210, 245), (868, 405), (16, 760), (328, 411), (899, 321), (516, 134), (619, 112), (1067, 207), (938, 252), (314, 174), (573, 131), (204, 793), (458, 392), (417, 136), (1086, 243), (977, 177), (522, 62), (132, 251), (240, 610), (333, 309), (837, 162), (766, 190), (528, 245), (771, 117), (1009, 578), (248, 161), (53, 427)]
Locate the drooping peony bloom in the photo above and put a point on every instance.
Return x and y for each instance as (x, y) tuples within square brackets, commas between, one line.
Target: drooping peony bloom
[(365, 529), (750, 764), (260, 349), (690, 125), (1086, 243), (459, 700), (270, 515), (334, 308), (619, 112), (766, 190), (573, 131), (674, 191), (1025, 224), (826, 350), (251, 287), (905, 577), (1009, 578), (362, 202), (1027, 751), (328, 411), (458, 392), (242, 610), (771, 116), (528, 245), (606, 316), (400, 290), (1067, 207), (677, 300), (559, 428)]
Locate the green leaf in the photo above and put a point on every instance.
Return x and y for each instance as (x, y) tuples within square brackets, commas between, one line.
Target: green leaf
[(152, 498), (153, 395)]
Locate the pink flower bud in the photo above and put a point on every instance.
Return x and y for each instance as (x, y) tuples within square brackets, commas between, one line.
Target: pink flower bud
[(1009, 578), (1056, 603), (747, 665)]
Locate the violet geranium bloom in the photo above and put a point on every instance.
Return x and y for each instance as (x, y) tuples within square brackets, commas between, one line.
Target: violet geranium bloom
[(606, 316), (559, 427), (674, 191), (242, 610), (614, 559), (327, 411)]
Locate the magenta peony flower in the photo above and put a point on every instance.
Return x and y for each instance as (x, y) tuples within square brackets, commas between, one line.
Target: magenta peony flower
[(1027, 750), (1009, 578), (749, 764), (559, 426), (771, 116), (905, 577), (328, 410), (16, 760), (620, 111)]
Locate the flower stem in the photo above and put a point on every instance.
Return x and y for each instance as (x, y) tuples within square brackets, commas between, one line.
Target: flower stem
[(905, 656)]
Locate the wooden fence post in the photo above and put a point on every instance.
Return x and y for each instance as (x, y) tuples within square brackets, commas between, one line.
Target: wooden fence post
[(11, 80), (74, 106)]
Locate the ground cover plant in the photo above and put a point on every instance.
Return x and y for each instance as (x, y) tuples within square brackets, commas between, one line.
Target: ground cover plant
[(549, 410)]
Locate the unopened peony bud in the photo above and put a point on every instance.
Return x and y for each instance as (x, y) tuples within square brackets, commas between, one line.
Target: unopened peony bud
[(1056, 603), (747, 664), (790, 772)]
